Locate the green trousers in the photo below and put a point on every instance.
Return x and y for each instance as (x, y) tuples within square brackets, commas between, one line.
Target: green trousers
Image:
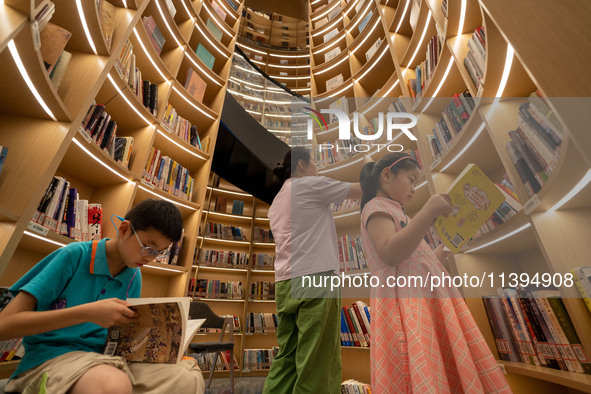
[(309, 358)]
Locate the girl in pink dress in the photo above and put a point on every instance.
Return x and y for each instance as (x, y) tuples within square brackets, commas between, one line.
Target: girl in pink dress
[(424, 340)]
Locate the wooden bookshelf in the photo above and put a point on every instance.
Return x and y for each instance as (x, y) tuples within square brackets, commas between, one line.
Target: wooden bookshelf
[(254, 215), (533, 241)]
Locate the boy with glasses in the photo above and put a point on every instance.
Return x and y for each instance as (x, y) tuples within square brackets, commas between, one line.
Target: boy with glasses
[(64, 305)]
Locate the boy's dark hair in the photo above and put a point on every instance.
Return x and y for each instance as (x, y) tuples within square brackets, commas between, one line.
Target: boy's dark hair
[(284, 169), (370, 173), (158, 215)]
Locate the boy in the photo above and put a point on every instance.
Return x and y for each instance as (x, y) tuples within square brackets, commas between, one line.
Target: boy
[(65, 303)]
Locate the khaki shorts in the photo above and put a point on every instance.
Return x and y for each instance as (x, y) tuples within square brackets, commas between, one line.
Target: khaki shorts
[(64, 371)]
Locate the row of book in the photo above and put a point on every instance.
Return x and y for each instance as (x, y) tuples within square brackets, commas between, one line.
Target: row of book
[(172, 252), (3, 154), (224, 231), (222, 258), (10, 349), (352, 386), (181, 127), (453, 118), (475, 60), (346, 205), (145, 91), (236, 207), (355, 325), (168, 175), (262, 290), (99, 127), (582, 278), (351, 253), (258, 359), (535, 145), (533, 326), (263, 261), (216, 289), (154, 33), (509, 208), (432, 238), (262, 235), (61, 210), (206, 360), (236, 326), (261, 322), (424, 71)]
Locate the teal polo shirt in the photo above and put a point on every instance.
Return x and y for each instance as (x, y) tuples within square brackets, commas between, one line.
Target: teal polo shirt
[(65, 279)]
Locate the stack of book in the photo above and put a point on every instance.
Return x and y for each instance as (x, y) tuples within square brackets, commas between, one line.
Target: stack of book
[(535, 145), (61, 210), (455, 115), (534, 327), (99, 127), (355, 325), (224, 231), (351, 254), (352, 386)]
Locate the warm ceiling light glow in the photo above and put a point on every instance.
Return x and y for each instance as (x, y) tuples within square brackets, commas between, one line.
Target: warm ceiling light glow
[(500, 238), (99, 160), (148, 55), (474, 137), (193, 105), (421, 40), (23, 71), (51, 241), (127, 101), (579, 186), (180, 146), (506, 71), (229, 192), (162, 268), (289, 56), (333, 66), (166, 24), (166, 199), (402, 17), (462, 19), (85, 26), (202, 70)]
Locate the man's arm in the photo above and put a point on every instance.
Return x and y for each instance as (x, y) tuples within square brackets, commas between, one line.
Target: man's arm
[(19, 318)]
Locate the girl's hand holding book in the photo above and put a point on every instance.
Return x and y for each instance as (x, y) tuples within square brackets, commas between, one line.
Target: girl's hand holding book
[(438, 204)]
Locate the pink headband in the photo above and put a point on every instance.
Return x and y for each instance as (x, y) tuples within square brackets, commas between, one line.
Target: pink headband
[(402, 158)]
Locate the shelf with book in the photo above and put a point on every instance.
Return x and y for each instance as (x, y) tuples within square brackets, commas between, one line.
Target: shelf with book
[(565, 379), (458, 46), (162, 45), (419, 40), (212, 35), (200, 114), (225, 23), (165, 16), (365, 50), (183, 18), (381, 64)]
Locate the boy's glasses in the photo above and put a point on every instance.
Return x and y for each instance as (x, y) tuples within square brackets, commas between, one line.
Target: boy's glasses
[(148, 250)]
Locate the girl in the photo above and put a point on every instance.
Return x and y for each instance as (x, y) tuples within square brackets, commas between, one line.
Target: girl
[(309, 358), (423, 340)]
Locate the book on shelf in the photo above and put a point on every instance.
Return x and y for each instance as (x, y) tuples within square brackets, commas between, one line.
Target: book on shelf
[(95, 222), (341, 104), (44, 15), (263, 261), (154, 33), (261, 322), (213, 29), (582, 279), (218, 10), (59, 70), (352, 386), (262, 290), (329, 55), (356, 325), (351, 253), (373, 49), (222, 258), (3, 154), (123, 149), (171, 8), (334, 82), (475, 60), (330, 35), (53, 41), (365, 21), (233, 4), (218, 289), (237, 207), (205, 56), (161, 334), (195, 85), (221, 204), (107, 13), (474, 198), (258, 359), (320, 22), (334, 13)]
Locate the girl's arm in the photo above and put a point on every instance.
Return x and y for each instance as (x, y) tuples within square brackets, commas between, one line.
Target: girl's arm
[(393, 246), (19, 318)]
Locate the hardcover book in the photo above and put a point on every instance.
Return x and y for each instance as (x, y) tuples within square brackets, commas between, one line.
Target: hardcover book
[(213, 29), (161, 334), (218, 10), (334, 82), (154, 33), (474, 198), (53, 42), (205, 56), (195, 85)]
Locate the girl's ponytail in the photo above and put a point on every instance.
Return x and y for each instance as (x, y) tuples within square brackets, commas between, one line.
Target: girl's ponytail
[(368, 183)]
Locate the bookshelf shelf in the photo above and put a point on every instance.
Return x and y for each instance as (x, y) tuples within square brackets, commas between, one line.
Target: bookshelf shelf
[(458, 46), (7, 368), (43, 245), (186, 207), (221, 269), (355, 348), (231, 216), (569, 379), (12, 23), (160, 269), (418, 43), (225, 241)]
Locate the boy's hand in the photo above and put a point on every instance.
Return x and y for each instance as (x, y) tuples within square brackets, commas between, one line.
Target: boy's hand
[(109, 312), (439, 204)]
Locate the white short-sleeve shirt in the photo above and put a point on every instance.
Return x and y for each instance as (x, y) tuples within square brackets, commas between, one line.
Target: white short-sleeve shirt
[(303, 226)]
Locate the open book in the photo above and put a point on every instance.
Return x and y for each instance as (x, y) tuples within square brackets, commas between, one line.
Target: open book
[(474, 198), (161, 335)]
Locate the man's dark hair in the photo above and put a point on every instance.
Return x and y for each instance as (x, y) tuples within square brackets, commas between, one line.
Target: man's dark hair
[(158, 215)]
